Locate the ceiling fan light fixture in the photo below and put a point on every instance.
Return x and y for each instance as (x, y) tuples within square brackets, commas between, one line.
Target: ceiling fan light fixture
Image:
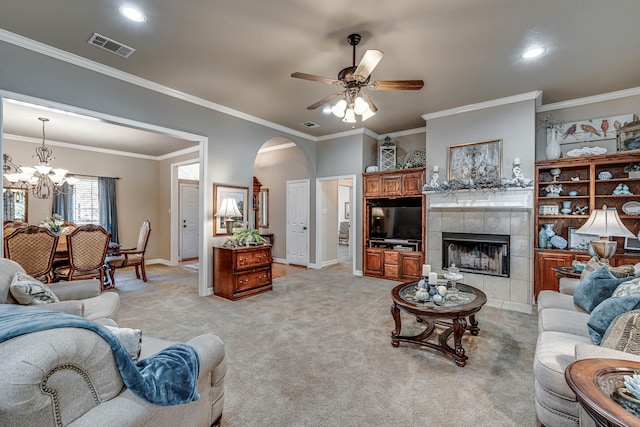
[(367, 114), (338, 110), (349, 116), (360, 105)]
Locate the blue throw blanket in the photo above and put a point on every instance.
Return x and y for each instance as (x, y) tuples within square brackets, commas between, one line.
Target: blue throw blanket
[(166, 378)]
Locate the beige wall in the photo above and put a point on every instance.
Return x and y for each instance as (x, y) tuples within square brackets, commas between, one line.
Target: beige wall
[(138, 188)]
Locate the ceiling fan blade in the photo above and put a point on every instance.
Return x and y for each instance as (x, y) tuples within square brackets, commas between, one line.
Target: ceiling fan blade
[(369, 61), (313, 78), (397, 85), (324, 100), (368, 100)]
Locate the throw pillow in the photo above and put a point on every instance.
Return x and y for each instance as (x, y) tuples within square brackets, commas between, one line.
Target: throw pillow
[(131, 339), (602, 316), (27, 290), (627, 288), (624, 333), (595, 288), (595, 263)]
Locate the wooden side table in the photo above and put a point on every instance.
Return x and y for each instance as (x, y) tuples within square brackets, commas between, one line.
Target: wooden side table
[(562, 271), (594, 381)]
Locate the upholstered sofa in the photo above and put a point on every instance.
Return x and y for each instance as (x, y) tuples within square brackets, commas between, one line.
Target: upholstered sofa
[(69, 377), (563, 338)]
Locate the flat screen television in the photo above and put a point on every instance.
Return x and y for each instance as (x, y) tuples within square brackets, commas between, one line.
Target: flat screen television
[(395, 222)]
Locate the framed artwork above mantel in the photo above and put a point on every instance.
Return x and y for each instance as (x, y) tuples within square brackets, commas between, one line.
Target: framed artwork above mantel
[(478, 161)]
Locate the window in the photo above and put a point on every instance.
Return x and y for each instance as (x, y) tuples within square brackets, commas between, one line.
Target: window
[(86, 202)]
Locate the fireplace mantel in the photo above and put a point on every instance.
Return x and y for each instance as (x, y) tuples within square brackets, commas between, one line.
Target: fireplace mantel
[(512, 198)]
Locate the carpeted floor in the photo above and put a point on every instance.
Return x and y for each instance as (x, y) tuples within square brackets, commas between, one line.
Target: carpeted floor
[(316, 352)]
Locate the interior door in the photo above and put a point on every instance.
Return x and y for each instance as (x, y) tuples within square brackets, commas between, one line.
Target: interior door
[(298, 222), (189, 208)]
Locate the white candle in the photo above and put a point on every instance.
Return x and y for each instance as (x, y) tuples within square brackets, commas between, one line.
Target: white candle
[(516, 161), (433, 278), (426, 269), (435, 169)]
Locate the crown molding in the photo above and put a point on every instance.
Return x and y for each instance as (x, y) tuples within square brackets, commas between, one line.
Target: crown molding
[(535, 95), (590, 99), (53, 143), (403, 133), (79, 61)]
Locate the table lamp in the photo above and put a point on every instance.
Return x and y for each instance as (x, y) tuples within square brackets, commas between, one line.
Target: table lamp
[(605, 223), (229, 210)]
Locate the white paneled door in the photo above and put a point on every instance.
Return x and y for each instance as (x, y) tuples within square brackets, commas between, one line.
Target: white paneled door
[(189, 209), (298, 222)]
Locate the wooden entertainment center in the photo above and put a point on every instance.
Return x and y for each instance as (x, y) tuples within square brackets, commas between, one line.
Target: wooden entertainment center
[(385, 257)]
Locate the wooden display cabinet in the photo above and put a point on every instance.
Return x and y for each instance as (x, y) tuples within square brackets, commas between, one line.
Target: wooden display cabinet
[(392, 259), (581, 174)]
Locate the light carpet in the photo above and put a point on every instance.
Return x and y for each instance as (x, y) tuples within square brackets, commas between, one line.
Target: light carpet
[(316, 351)]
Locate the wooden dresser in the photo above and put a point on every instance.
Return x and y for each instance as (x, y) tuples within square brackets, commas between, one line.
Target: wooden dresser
[(242, 271)]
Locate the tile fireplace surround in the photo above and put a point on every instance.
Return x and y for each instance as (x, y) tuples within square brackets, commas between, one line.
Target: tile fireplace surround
[(488, 212)]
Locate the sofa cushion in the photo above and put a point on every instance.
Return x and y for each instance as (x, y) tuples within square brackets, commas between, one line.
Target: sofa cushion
[(131, 339), (27, 290), (627, 288), (554, 299), (624, 333), (568, 321), (595, 288), (595, 263), (602, 316)]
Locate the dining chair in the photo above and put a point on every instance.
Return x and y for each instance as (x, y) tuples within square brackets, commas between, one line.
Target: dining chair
[(33, 248), (133, 257), (87, 246)]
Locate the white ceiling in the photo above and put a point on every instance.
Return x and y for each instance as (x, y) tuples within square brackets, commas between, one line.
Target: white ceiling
[(240, 53)]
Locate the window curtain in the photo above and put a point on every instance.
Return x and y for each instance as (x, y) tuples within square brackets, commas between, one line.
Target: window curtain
[(63, 203), (108, 214)]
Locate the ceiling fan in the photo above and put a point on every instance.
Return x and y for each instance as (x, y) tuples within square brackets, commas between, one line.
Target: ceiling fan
[(353, 79)]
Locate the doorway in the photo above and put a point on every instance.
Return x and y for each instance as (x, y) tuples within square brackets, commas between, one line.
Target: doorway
[(189, 212), (336, 209)]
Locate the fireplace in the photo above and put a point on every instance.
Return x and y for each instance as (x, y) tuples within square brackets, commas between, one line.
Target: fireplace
[(486, 254)]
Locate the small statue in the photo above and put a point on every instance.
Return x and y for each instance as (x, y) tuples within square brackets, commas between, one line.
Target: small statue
[(553, 190)]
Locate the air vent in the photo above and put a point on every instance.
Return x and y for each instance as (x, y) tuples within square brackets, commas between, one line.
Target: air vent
[(310, 125), (111, 45)]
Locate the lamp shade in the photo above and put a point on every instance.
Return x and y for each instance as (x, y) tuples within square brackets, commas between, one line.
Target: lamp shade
[(377, 212), (605, 222), (228, 208)]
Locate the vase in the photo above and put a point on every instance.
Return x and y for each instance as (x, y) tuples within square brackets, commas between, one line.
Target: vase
[(566, 207), (553, 150), (542, 238), (548, 229)]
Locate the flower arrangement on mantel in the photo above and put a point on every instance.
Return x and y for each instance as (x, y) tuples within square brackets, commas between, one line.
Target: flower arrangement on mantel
[(247, 236), (52, 223), (454, 185)]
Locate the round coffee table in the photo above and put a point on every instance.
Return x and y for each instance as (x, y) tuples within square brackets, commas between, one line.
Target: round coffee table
[(451, 314)]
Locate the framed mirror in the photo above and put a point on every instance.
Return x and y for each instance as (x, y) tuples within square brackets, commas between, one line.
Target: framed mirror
[(263, 208), (15, 204)]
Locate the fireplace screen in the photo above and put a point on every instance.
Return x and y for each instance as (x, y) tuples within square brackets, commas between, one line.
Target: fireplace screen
[(477, 253)]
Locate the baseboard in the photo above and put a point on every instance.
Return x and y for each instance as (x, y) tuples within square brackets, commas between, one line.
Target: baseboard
[(159, 261)]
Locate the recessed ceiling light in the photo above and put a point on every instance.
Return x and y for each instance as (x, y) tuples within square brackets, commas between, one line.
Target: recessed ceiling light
[(133, 13), (533, 52)]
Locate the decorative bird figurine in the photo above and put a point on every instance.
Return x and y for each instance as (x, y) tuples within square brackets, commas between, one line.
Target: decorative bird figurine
[(590, 129), (569, 131), (604, 126)]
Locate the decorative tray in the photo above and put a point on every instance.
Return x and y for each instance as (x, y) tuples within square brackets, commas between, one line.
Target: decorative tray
[(631, 208)]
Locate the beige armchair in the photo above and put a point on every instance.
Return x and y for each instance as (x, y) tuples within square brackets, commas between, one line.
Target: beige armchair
[(68, 376)]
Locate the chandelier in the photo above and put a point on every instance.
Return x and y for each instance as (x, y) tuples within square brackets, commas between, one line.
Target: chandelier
[(42, 180), (354, 102)]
